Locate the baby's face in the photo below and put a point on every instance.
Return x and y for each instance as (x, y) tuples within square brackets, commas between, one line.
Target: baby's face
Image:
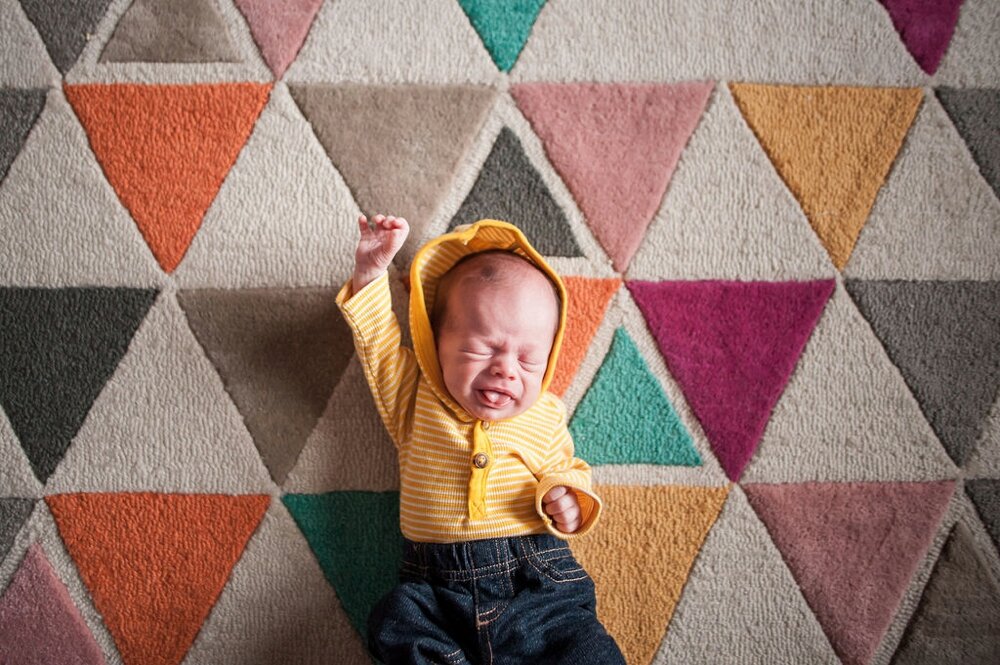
[(494, 344)]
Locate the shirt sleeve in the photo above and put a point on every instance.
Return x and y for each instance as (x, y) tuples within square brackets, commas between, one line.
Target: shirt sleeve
[(390, 369), (561, 467)]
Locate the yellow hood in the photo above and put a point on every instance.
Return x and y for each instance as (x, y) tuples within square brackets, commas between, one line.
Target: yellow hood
[(435, 258)]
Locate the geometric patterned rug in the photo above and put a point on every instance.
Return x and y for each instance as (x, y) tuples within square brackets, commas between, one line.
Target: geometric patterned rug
[(779, 225)]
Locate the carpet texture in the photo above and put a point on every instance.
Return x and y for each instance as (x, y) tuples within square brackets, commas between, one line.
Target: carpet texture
[(779, 227)]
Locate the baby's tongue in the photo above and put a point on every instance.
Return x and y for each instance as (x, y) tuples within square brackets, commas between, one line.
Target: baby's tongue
[(495, 398)]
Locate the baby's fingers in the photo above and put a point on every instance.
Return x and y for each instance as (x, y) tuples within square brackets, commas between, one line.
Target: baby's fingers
[(363, 224)]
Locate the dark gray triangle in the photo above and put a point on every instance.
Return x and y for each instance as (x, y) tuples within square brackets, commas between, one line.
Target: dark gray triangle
[(279, 353), (65, 26), (976, 114), (958, 618), (985, 494), (19, 109), (945, 339), (509, 188), (13, 513), (58, 348)]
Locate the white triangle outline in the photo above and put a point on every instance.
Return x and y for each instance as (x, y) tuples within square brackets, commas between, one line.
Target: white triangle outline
[(257, 233), (935, 217), (590, 40), (67, 240), (864, 423), (705, 228), (25, 61), (738, 548), (418, 41), (142, 435), (278, 566)]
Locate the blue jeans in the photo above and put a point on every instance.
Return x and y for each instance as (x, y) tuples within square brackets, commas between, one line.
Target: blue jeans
[(499, 601)]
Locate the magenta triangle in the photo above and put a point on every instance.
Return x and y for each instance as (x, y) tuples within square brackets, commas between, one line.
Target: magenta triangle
[(39, 622), (732, 347), (616, 146), (852, 548), (279, 28), (925, 27)]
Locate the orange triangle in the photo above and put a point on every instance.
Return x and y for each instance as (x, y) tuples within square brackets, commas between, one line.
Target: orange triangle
[(588, 300), (641, 556), (166, 150), (833, 147), (155, 563)]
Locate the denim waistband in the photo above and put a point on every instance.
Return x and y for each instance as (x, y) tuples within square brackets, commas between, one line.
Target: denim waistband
[(480, 556)]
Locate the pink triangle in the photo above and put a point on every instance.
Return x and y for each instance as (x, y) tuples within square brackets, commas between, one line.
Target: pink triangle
[(38, 621), (732, 347), (852, 548), (616, 146), (925, 26), (279, 28)]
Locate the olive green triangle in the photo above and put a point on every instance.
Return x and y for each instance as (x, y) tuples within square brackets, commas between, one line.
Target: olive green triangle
[(625, 417)]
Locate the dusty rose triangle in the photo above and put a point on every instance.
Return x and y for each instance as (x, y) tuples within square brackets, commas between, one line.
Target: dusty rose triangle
[(925, 27), (852, 548), (279, 28), (39, 622), (616, 146), (732, 347)]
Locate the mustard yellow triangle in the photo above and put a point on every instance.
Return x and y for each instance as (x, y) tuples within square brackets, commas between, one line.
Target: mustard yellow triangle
[(640, 557), (833, 147)]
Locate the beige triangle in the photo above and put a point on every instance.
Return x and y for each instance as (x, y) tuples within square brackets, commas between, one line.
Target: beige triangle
[(41, 528), (397, 147), (163, 422), (407, 41), (727, 214), (973, 56), (654, 40), (936, 217), (247, 64), (60, 221), (283, 215), (349, 449), (639, 564), (168, 32), (766, 618), (277, 607), (846, 414), (984, 462), (24, 62), (16, 477)]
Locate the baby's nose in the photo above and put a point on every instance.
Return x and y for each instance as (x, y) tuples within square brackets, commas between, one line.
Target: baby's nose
[(503, 367)]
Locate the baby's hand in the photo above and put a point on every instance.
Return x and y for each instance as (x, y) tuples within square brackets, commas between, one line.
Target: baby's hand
[(561, 505), (376, 248)]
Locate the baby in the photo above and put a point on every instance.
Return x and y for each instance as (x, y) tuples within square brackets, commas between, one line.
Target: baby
[(489, 486)]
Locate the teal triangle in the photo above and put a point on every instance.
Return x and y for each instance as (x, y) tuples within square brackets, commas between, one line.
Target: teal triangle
[(625, 417), (356, 538), (503, 25)]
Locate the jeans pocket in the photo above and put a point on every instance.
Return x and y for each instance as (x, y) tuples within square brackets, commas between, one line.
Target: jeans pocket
[(560, 568)]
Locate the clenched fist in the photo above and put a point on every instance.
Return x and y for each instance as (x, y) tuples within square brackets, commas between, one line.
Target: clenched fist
[(376, 248)]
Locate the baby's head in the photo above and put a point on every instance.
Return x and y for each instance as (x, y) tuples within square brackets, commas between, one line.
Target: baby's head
[(495, 318)]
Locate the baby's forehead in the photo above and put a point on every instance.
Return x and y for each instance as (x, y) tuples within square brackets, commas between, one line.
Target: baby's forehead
[(487, 273)]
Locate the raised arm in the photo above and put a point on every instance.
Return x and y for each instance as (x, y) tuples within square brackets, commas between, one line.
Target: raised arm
[(390, 369)]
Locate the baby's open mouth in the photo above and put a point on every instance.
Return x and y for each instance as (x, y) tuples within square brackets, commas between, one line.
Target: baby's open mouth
[(494, 398)]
